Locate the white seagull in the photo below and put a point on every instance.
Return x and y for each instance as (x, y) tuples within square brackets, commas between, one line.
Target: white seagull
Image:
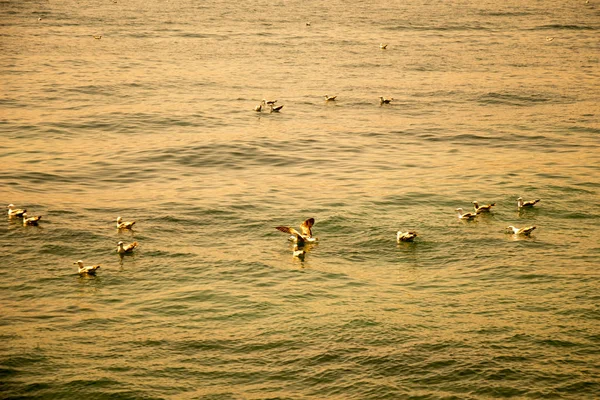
[(97, 37), (83, 270), (383, 46), (15, 212), (523, 231), (124, 225), (465, 215), (484, 208), (258, 108), (31, 220), (122, 249), (305, 234), (383, 100), (330, 98), (405, 236), (526, 204)]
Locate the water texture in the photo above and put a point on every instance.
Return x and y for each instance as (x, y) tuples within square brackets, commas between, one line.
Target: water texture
[(154, 122)]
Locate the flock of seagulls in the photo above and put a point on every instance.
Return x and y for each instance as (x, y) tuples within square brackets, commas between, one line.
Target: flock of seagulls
[(270, 104), (305, 236), (83, 270), (300, 238)]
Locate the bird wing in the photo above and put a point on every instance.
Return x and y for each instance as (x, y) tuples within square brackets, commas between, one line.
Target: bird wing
[(306, 226)]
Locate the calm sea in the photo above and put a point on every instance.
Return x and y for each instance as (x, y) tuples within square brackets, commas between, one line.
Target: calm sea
[(154, 122)]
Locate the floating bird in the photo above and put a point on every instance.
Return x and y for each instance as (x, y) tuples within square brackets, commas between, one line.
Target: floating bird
[(124, 225), (305, 234), (383, 100), (122, 249), (526, 204), (465, 215), (269, 102), (31, 220), (523, 231), (91, 270), (482, 209), (40, 18), (549, 38), (405, 236), (15, 212), (308, 23), (258, 108), (330, 98), (97, 37), (383, 46), (275, 109)]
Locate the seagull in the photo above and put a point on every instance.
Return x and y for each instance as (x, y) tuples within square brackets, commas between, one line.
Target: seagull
[(482, 209), (31, 220), (549, 38), (258, 108), (269, 102), (305, 234), (124, 225), (383, 46), (308, 23), (523, 231), (91, 270), (15, 212), (405, 236), (383, 100), (275, 109), (97, 37), (466, 216), (126, 249), (330, 98), (526, 204), (40, 18)]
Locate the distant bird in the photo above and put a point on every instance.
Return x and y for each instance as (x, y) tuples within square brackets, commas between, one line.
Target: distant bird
[(549, 38), (526, 204), (258, 108), (383, 100), (330, 98), (40, 18), (465, 215), (122, 249), (523, 231), (308, 23), (484, 208), (15, 212), (275, 109), (31, 220), (83, 270), (405, 236), (382, 46), (305, 234), (269, 102), (124, 225), (97, 37)]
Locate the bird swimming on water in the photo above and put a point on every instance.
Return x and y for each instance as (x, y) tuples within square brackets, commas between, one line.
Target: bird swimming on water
[(122, 249), (483, 208), (83, 270), (465, 215), (522, 231), (330, 98), (97, 37), (383, 46), (526, 204), (383, 100), (405, 236), (124, 225), (31, 220), (275, 109), (15, 212)]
